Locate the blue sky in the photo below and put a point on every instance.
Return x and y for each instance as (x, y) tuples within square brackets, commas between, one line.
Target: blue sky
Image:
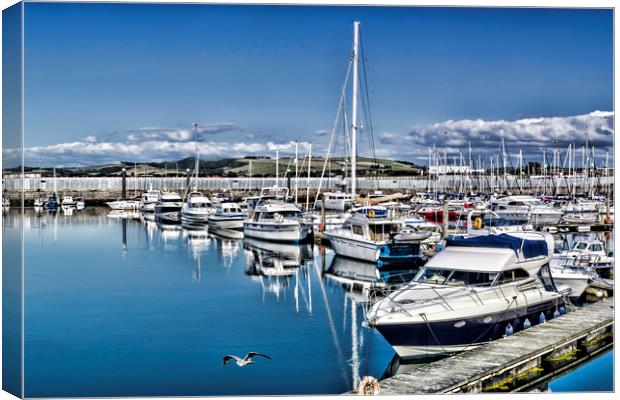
[(101, 78)]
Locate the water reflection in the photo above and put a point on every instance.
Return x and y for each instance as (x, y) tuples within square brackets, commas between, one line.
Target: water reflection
[(196, 294)]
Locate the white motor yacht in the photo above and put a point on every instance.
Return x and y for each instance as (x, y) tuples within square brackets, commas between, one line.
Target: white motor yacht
[(337, 201), (370, 236), (168, 207), (585, 252), (124, 204), (196, 209), (148, 200), (474, 291), (80, 203), (227, 215), (67, 201), (277, 221), (527, 209)]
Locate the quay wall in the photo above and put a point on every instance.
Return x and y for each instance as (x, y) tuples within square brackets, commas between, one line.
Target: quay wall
[(110, 187)]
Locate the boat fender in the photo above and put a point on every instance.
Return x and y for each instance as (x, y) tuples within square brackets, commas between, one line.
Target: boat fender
[(369, 386), (562, 310), (477, 223), (527, 324), (371, 213), (509, 330), (556, 313), (542, 318)]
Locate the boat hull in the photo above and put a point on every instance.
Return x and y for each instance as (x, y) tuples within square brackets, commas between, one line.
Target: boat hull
[(226, 223), (425, 339), (276, 232), (353, 248)]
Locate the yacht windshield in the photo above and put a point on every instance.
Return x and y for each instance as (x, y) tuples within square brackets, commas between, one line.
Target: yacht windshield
[(580, 246), (450, 277)]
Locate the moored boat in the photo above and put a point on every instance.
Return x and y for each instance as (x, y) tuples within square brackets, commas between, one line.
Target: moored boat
[(474, 291)]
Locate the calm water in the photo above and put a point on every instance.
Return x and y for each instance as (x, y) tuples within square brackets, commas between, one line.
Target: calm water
[(126, 307), (123, 307)]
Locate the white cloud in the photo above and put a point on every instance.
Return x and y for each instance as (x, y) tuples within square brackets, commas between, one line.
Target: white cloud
[(531, 133), (158, 144)]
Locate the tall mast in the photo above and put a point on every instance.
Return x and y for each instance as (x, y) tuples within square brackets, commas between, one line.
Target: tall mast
[(356, 31), (296, 170), (277, 165), (197, 160), (309, 172)]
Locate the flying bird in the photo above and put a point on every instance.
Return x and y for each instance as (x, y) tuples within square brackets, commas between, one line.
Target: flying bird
[(242, 362)]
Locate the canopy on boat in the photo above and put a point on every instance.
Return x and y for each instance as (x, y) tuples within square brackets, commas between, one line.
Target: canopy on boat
[(530, 248)]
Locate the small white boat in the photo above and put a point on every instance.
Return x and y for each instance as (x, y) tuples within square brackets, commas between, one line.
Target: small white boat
[(80, 203), (124, 204), (527, 209), (363, 234), (589, 252), (67, 201), (39, 202), (227, 215), (168, 207), (577, 278), (148, 200), (277, 221), (580, 218), (196, 209), (338, 201)]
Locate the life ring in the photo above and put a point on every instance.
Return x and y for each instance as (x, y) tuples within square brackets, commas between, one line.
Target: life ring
[(477, 223), (369, 386), (371, 213)]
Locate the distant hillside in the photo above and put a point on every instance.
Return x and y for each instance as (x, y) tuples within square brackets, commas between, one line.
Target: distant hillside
[(237, 167)]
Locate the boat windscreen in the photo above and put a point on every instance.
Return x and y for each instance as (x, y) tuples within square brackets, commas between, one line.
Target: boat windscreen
[(440, 276)]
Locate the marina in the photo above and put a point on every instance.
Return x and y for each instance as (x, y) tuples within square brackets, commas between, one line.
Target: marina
[(292, 287), (231, 259)]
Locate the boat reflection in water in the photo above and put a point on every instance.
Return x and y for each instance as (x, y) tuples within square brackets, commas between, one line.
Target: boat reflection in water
[(228, 243), (273, 264), (355, 276)]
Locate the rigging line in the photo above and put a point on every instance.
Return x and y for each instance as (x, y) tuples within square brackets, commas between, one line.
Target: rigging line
[(364, 67), (334, 127)]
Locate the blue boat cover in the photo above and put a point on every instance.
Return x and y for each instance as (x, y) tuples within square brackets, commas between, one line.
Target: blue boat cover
[(531, 248)]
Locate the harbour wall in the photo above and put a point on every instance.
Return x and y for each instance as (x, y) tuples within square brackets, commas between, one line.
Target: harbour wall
[(105, 188)]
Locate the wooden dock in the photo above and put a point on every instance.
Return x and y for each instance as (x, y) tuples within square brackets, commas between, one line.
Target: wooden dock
[(517, 362)]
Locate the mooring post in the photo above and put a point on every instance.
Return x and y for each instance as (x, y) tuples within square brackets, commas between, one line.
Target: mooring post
[(124, 184)]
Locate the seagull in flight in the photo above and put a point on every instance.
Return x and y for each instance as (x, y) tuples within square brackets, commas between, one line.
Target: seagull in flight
[(242, 362)]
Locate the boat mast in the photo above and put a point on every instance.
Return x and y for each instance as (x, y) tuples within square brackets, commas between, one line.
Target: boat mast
[(277, 165), (197, 160), (296, 169), (356, 30), (309, 172)]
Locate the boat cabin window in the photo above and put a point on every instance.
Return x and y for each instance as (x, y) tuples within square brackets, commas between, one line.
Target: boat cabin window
[(512, 275), (448, 277), (357, 230), (595, 247), (580, 246), (545, 276), (382, 232)]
